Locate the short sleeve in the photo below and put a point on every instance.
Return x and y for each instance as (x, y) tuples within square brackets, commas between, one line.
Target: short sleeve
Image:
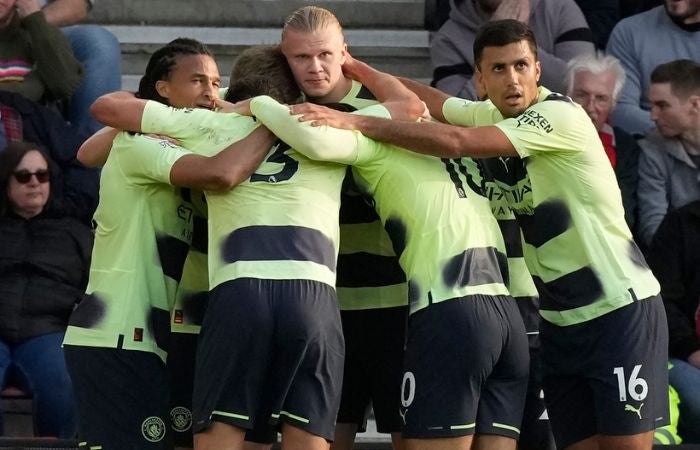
[(144, 159)]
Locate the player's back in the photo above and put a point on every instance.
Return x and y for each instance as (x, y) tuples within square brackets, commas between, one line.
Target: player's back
[(440, 221), (281, 223)]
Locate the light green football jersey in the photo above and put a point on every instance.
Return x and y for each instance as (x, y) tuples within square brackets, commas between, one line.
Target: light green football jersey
[(369, 274), (439, 220), (281, 223), (564, 193), (144, 230)]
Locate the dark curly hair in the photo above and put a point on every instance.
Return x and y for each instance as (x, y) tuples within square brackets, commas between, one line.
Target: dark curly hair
[(162, 62)]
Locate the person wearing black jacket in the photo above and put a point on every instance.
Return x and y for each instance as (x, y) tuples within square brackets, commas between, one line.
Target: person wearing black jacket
[(674, 257), (44, 262)]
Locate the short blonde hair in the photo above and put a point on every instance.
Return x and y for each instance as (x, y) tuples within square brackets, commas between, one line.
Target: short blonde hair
[(309, 19)]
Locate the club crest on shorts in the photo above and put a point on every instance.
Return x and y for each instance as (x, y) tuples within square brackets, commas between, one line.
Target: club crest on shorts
[(180, 419), (153, 429)]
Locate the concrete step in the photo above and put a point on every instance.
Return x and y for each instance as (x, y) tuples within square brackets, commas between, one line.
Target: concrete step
[(401, 52), (257, 13)]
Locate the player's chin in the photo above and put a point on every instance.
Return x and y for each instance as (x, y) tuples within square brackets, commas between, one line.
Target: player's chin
[(316, 89)]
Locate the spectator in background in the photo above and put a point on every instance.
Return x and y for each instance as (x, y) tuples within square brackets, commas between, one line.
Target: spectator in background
[(669, 164), (644, 41), (44, 260), (559, 27), (674, 257), (632, 7), (98, 51), (36, 60), (601, 15), (594, 82), (76, 186)]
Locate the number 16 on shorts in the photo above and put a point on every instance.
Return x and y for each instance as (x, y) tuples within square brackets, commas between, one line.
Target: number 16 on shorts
[(636, 386)]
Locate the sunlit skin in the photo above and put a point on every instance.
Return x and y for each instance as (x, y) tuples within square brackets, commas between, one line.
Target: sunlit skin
[(193, 83), (594, 92), (509, 76), (7, 10), (316, 60), (673, 115), (29, 199), (688, 11)]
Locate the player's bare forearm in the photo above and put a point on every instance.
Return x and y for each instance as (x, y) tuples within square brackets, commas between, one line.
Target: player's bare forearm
[(243, 157), (433, 98), (119, 110), (226, 169), (95, 150), (404, 104), (447, 141)]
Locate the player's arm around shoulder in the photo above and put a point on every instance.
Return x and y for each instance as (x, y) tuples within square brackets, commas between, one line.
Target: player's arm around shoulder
[(403, 103), (436, 139), (95, 150), (121, 110), (321, 144), (226, 169)]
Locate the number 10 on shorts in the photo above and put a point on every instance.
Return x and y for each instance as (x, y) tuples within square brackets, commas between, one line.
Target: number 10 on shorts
[(637, 387)]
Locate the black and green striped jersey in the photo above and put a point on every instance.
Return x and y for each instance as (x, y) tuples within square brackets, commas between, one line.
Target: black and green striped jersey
[(369, 274)]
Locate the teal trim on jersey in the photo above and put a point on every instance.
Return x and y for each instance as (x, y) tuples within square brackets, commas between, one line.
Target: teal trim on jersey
[(228, 414), (463, 427), (506, 427), (293, 416)]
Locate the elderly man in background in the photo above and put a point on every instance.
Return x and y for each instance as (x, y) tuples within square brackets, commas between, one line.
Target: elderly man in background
[(595, 82)]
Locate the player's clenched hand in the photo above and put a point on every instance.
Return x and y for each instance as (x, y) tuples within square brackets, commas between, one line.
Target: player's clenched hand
[(320, 115)]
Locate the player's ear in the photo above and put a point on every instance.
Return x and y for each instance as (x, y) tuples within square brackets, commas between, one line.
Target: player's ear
[(538, 70), (695, 103), (479, 80), (163, 88), (344, 53)]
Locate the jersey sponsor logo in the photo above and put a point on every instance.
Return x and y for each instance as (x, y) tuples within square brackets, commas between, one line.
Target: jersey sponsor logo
[(138, 334), (180, 419), (637, 411), (535, 119), (153, 429)]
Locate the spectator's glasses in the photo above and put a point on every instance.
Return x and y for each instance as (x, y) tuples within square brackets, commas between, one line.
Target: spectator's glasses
[(24, 176)]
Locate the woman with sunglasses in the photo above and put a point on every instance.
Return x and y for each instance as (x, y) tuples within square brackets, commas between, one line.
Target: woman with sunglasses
[(44, 262)]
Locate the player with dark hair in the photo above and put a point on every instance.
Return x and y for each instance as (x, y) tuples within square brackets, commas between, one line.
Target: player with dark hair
[(604, 336), (118, 337)]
